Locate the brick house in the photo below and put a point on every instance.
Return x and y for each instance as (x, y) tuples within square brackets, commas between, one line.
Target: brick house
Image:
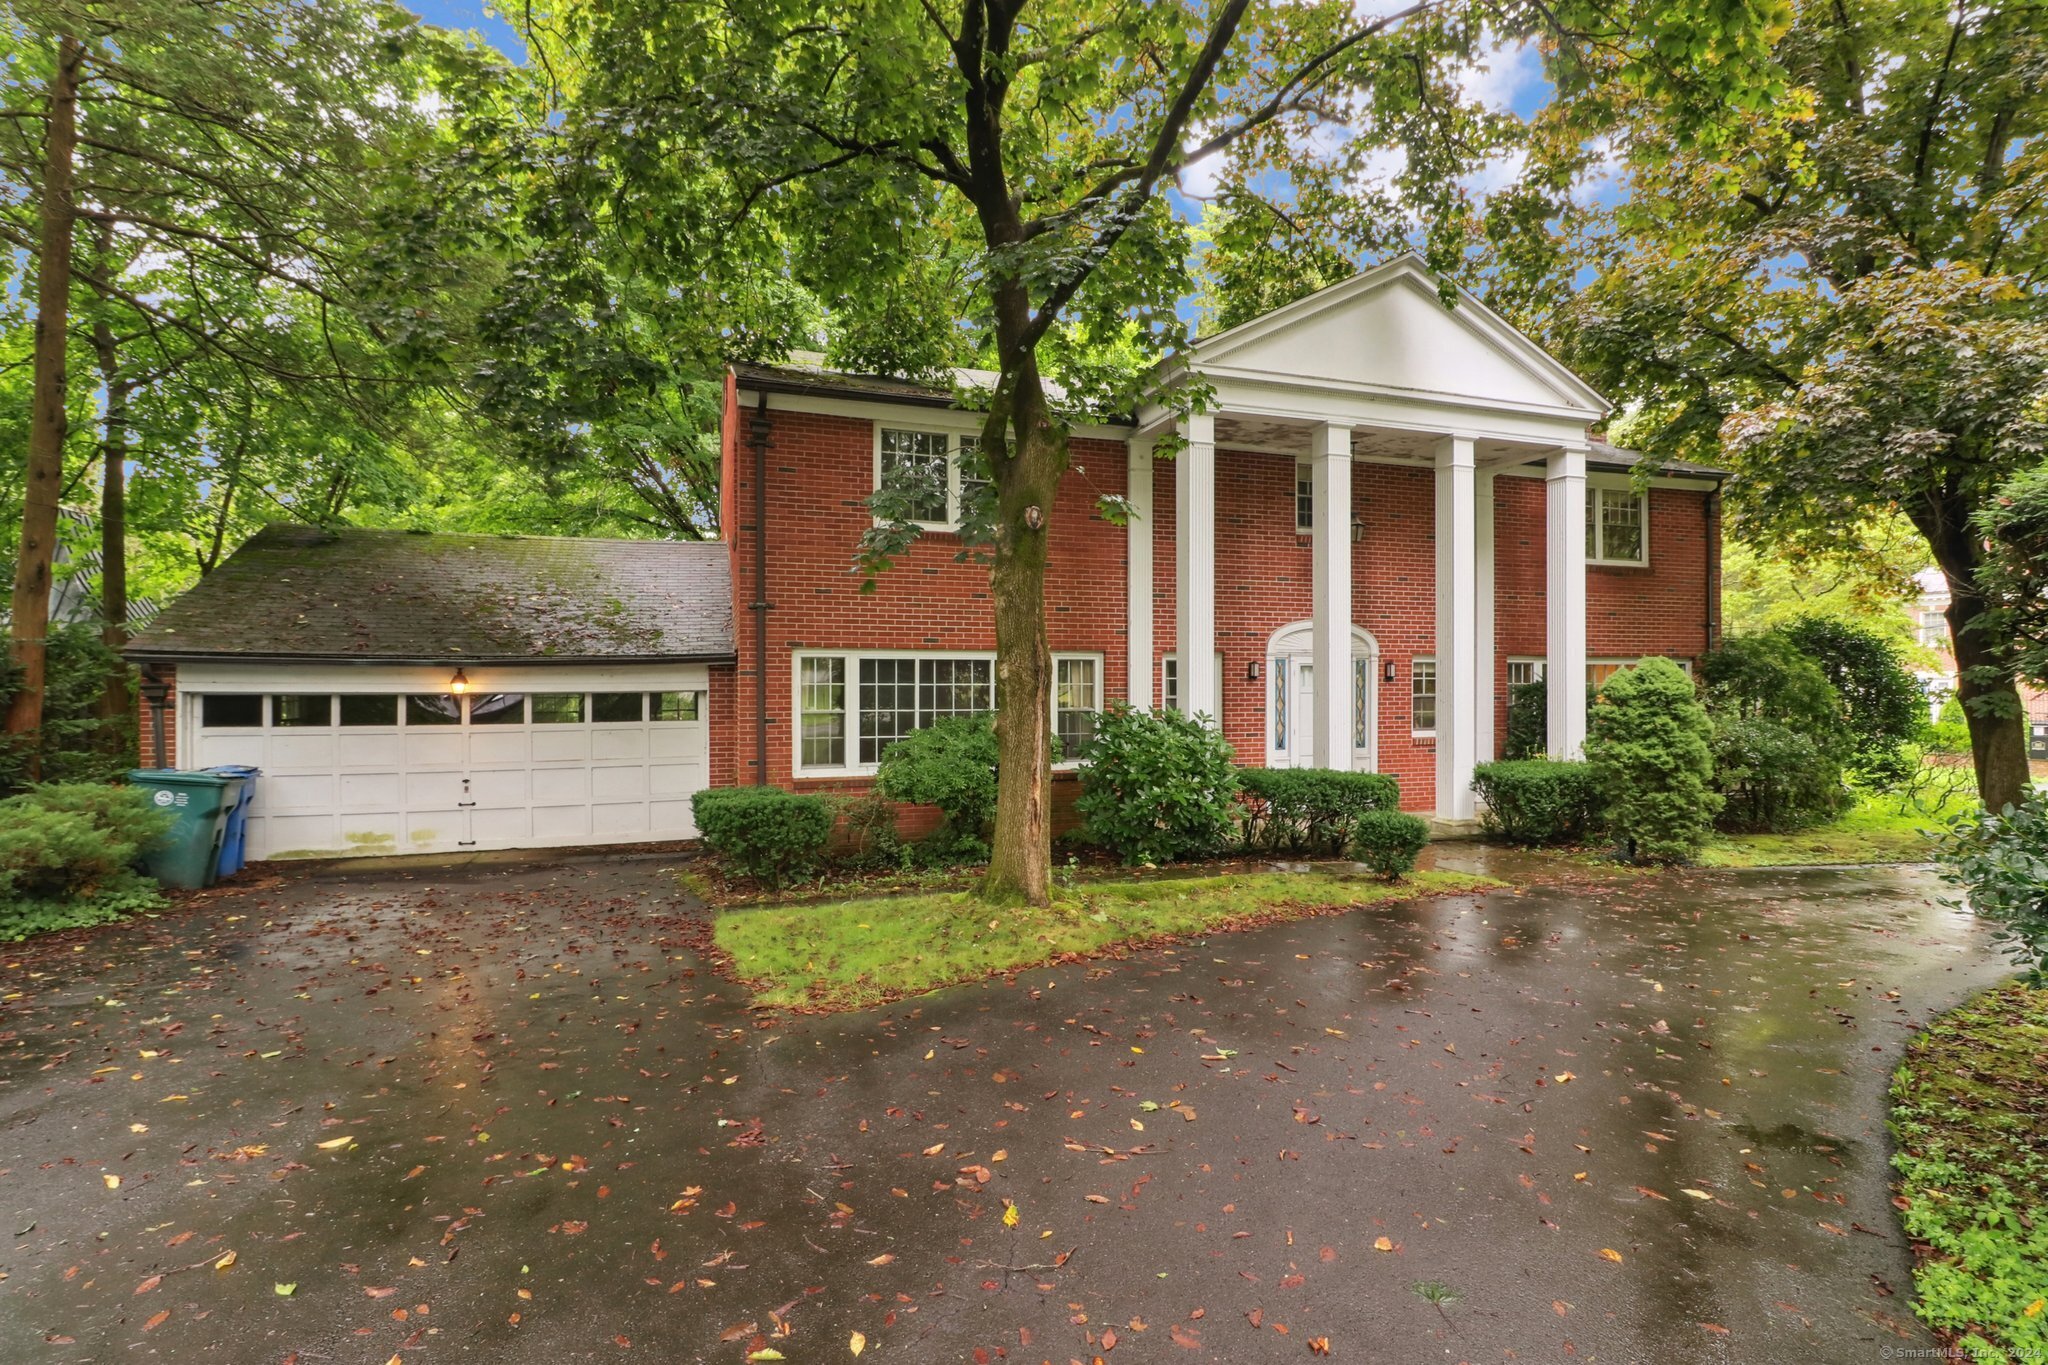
[(1383, 491)]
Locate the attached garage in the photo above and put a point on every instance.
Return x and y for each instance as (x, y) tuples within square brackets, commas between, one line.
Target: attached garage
[(438, 693)]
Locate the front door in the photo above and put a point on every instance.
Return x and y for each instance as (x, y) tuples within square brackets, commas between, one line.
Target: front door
[(1301, 736), (1291, 733)]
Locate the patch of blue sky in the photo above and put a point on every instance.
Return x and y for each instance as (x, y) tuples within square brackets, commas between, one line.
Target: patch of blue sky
[(486, 21)]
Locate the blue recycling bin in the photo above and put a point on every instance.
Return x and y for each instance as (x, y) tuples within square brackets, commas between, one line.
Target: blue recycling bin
[(233, 839)]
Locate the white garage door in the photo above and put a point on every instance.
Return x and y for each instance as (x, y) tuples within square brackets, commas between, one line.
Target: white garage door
[(394, 761)]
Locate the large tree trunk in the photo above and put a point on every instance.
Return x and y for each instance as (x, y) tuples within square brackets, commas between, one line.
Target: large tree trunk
[(116, 703), (29, 630), (1984, 679), (1028, 454)]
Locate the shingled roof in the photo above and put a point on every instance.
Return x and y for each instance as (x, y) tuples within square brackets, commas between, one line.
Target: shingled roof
[(304, 592)]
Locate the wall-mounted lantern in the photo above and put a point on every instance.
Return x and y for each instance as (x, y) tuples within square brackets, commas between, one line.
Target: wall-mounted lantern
[(459, 683), (1255, 670), (1387, 671), (1357, 531)]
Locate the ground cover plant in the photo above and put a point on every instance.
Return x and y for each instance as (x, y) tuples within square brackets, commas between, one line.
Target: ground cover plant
[(855, 953), (68, 854), (1970, 1112)]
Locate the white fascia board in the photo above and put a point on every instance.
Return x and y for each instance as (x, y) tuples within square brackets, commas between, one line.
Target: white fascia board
[(914, 415), (350, 676)]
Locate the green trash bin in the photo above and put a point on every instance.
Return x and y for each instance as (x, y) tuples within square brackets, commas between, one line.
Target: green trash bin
[(188, 855)]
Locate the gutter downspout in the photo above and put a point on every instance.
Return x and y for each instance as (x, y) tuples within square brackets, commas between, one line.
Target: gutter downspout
[(1712, 625), (758, 429)]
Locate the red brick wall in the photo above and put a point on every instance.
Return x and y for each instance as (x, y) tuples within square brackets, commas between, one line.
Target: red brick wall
[(146, 736), (821, 470)]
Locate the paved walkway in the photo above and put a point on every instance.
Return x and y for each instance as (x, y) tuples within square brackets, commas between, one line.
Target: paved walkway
[(505, 1115)]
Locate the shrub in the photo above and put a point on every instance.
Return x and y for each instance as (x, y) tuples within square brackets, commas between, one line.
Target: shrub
[(2000, 864), (765, 832), (1309, 810), (1881, 701), (868, 824), (1387, 841), (950, 764), (1767, 677), (1538, 800), (74, 743), (1158, 786), (67, 856), (1772, 778), (1951, 729), (1651, 761)]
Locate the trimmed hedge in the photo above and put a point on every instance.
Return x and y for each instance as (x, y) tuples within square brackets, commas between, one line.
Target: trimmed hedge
[(765, 832), (1388, 841), (1538, 800), (1309, 810)]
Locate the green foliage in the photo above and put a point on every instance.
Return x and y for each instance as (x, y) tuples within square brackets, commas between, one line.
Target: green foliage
[(1651, 760), (950, 764), (75, 744), (1528, 733), (67, 856), (1773, 779), (1309, 810), (1881, 701), (766, 833), (2014, 529), (1951, 729), (2000, 864), (1388, 841), (1538, 800), (1968, 1112), (1158, 787), (1779, 734)]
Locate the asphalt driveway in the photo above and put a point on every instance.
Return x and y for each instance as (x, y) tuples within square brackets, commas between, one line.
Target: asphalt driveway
[(508, 1115)]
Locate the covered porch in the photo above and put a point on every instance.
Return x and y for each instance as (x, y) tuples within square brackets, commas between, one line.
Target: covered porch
[(1370, 381)]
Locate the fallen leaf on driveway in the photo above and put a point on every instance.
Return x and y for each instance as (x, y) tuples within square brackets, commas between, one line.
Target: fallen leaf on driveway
[(1611, 1254)]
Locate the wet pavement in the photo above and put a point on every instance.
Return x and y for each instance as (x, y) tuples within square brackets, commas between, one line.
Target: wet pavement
[(508, 1115)]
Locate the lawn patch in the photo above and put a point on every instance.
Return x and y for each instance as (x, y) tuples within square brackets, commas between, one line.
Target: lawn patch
[(855, 953), (1877, 829), (1970, 1112)]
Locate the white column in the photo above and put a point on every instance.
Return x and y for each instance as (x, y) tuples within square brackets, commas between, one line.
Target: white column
[(1194, 551), (1564, 598), (1488, 666), (1138, 533), (1457, 628), (1330, 458)]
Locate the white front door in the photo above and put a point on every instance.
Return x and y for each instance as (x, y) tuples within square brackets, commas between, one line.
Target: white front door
[(1291, 695), (1301, 739)]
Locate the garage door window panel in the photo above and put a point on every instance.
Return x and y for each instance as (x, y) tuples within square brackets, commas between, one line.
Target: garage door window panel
[(433, 708), (498, 708), (300, 710), (617, 708), (231, 711), (369, 710), (672, 706), (558, 708)]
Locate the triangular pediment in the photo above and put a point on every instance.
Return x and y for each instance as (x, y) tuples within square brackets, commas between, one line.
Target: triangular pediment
[(1388, 330)]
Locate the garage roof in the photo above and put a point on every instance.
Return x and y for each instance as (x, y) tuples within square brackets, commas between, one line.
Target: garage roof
[(306, 592)]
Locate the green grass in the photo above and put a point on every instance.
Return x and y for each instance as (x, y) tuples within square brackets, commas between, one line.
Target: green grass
[(854, 953), (1970, 1112), (1878, 829)]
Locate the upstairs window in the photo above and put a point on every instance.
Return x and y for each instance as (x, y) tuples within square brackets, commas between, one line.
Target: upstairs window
[(937, 470), (1617, 521), (1304, 499)]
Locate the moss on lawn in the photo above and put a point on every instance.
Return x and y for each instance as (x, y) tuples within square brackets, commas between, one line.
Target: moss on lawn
[(1876, 830), (854, 953), (1970, 1112)]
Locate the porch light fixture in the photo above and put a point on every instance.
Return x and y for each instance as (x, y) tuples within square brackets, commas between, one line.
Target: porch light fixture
[(1255, 670), (1357, 531), (459, 683), (1387, 671)]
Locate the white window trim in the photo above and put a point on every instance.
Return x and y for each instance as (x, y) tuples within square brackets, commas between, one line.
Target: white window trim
[(1303, 472), (1413, 730), (1173, 657), (1601, 485), (953, 431), (1535, 661), (853, 657)]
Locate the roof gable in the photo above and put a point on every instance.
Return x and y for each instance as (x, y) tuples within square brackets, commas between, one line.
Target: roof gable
[(1387, 329), (346, 593)]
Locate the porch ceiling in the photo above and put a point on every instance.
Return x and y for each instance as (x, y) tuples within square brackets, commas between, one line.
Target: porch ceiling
[(1286, 436)]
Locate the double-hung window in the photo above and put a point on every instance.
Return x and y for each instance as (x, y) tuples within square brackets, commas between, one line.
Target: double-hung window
[(852, 707), (1304, 499), (1169, 685), (1617, 524), (1422, 696), (937, 471)]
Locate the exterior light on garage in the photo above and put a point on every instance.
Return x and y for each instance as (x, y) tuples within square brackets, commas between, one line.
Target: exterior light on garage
[(459, 683)]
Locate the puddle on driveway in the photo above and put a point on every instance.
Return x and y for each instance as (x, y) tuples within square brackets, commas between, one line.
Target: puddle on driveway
[(571, 1142)]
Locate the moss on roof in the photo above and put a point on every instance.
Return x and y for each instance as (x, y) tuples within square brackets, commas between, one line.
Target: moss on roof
[(314, 592)]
